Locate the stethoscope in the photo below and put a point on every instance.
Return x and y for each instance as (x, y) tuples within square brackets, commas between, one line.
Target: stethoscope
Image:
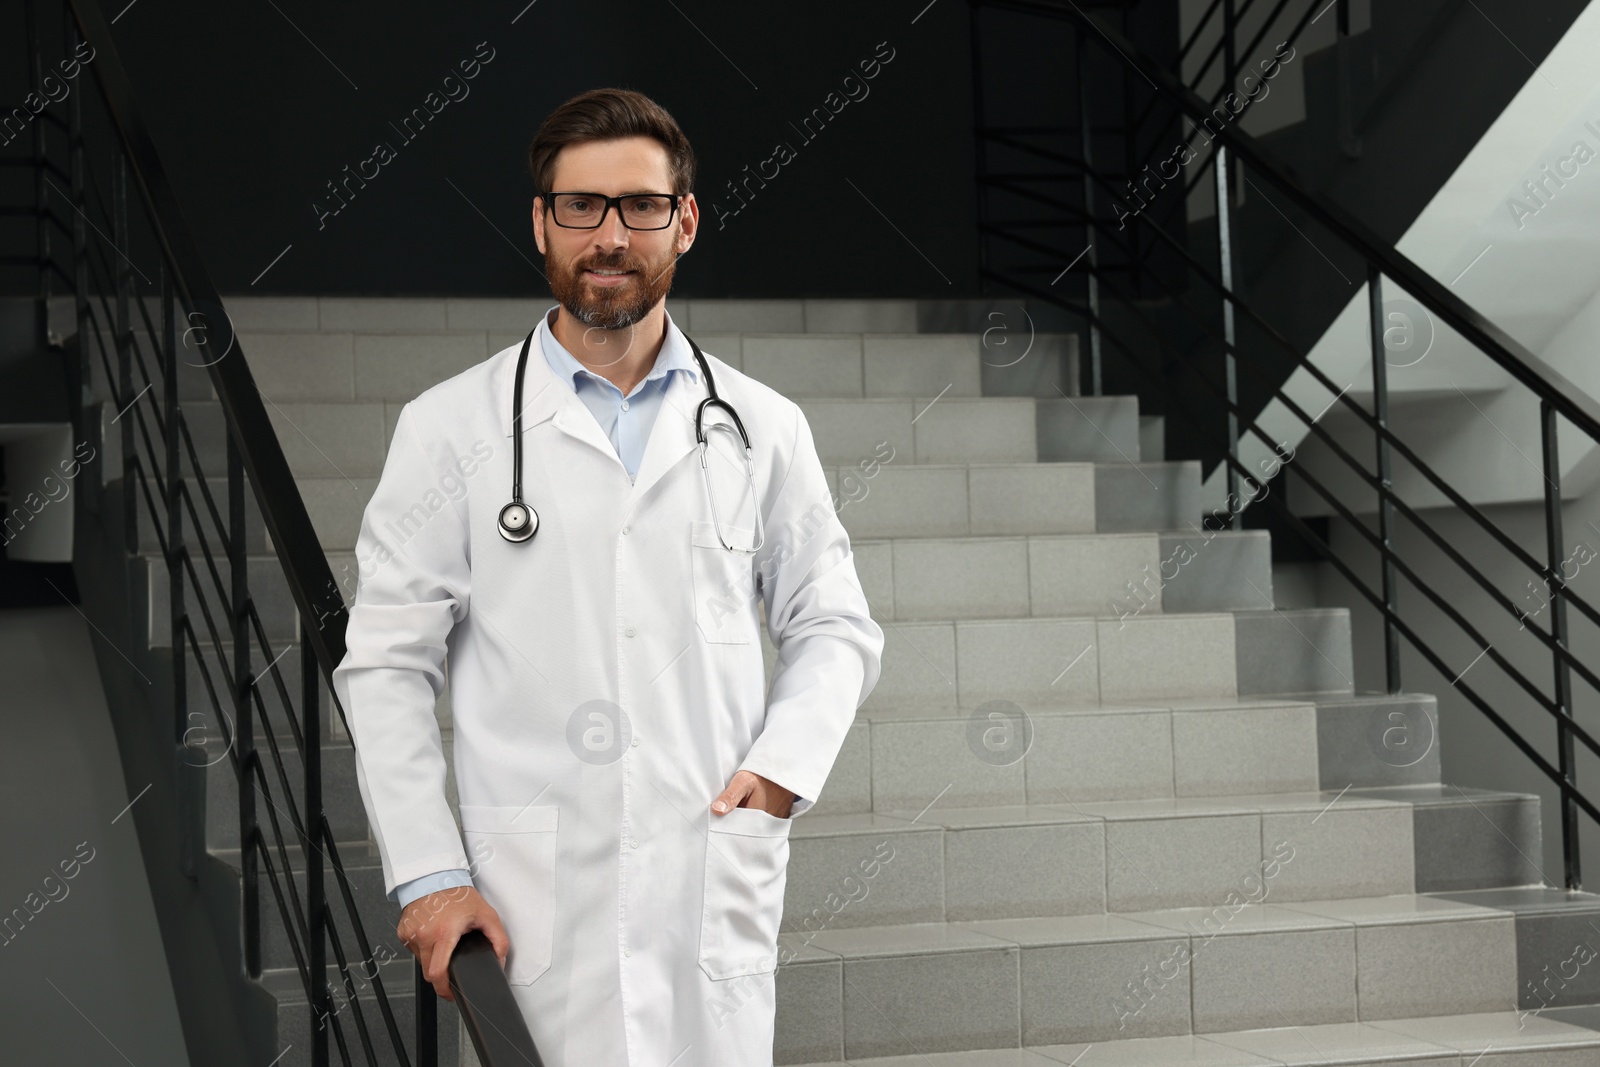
[(519, 522)]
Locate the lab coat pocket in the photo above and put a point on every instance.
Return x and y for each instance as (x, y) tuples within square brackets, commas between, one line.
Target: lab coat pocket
[(516, 873), (747, 859), (724, 585)]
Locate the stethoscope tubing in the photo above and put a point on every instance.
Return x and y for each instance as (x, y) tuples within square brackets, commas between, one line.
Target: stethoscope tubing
[(519, 522)]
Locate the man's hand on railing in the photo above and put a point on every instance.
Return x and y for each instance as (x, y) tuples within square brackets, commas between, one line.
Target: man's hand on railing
[(430, 926)]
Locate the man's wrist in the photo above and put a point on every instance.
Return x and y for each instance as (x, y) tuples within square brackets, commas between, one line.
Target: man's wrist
[(407, 892)]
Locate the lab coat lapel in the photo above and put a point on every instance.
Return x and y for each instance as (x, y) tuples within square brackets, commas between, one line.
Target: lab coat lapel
[(672, 436), (545, 396)]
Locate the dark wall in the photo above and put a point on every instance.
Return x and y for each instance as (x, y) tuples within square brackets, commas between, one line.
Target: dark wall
[(256, 107)]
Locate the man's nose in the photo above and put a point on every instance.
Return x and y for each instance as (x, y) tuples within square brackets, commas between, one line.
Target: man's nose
[(612, 233)]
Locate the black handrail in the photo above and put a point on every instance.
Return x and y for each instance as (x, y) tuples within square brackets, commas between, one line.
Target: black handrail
[(1531, 371), (1557, 398), (157, 445)]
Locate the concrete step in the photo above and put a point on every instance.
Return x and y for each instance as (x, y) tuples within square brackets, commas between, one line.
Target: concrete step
[(1069, 857), (1079, 973), (1002, 753), (1083, 660), (879, 491), (878, 495), (1006, 319), (340, 794), (1123, 575), (1096, 429), (1217, 968), (206, 724), (364, 873), (396, 366), (357, 996), (961, 499), (937, 428), (901, 364), (902, 757), (349, 439), (1561, 1037), (926, 429), (1152, 436), (880, 501), (950, 863)]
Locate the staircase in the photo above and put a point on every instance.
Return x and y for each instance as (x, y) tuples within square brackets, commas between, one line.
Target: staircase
[(1107, 805)]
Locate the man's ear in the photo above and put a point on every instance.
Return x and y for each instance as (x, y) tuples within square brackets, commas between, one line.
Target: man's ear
[(688, 224), (538, 224)]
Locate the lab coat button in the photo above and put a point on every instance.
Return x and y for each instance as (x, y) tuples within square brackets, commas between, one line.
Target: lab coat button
[(627, 952), (626, 529), (629, 631), (634, 843), (634, 742)]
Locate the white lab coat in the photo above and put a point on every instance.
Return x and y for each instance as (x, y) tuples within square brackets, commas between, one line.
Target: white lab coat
[(642, 926)]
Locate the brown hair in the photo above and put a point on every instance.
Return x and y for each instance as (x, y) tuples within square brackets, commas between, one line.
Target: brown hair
[(609, 115)]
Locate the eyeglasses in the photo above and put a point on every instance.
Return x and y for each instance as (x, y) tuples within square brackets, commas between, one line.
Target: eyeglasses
[(586, 211)]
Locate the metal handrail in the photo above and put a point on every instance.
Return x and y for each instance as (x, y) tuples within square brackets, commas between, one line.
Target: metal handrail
[(156, 443), (1556, 397), (1510, 354), (1376, 598)]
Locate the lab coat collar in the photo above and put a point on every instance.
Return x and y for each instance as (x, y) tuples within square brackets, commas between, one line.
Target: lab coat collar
[(546, 397), (675, 355)]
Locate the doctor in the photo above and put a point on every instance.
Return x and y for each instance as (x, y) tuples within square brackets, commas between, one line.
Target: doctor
[(626, 774)]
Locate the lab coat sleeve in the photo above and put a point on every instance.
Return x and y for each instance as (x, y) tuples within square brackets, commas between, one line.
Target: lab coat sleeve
[(414, 586), (417, 888), (829, 648)]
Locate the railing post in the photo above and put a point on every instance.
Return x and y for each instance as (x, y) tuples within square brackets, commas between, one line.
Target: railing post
[(1230, 44), (1096, 383), (80, 283), (124, 334), (427, 1019), (1229, 336), (190, 778), (244, 720), (980, 139), (41, 190), (1380, 414), (1224, 180), (1349, 143), (316, 895), (1555, 548)]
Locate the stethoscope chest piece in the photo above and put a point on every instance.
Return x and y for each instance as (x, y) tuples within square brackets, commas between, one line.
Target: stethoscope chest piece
[(518, 522)]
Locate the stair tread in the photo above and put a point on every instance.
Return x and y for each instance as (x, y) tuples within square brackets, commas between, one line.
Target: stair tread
[(358, 855), (917, 713), (1375, 1041), (978, 935)]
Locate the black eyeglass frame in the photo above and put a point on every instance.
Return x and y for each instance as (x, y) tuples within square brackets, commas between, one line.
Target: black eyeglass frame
[(611, 201)]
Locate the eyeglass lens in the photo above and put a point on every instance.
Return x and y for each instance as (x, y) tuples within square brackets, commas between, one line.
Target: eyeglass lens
[(586, 211)]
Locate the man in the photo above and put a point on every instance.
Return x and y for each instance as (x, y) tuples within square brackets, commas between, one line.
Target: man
[(626, 774)]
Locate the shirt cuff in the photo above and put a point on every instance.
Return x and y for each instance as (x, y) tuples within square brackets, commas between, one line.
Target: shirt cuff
[(417, 888)]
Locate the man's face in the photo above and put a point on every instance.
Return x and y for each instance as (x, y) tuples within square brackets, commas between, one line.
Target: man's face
[(646, 258)]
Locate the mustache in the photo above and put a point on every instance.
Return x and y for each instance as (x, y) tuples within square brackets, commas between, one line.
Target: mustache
[(618, 261)]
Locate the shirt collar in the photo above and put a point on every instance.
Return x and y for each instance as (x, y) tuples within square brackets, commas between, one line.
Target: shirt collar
[(675, 355)]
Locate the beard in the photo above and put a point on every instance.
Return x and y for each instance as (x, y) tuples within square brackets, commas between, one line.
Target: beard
[(611, 308)]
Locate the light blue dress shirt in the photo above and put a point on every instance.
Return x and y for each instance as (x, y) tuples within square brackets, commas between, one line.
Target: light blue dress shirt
[(627, 421)]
